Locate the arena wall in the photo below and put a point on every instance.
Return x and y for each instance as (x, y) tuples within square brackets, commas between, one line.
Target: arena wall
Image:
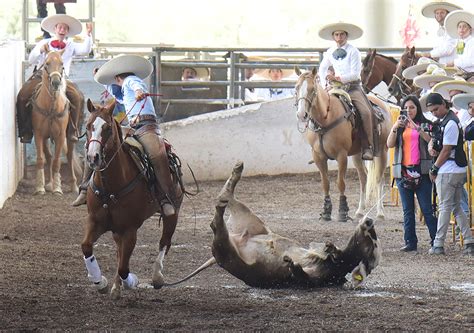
[(264, 136), (11, 150)]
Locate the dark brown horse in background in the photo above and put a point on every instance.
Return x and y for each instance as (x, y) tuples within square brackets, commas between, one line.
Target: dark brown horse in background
[(400, 87), (377, 68), (50, 115), (119, 199)]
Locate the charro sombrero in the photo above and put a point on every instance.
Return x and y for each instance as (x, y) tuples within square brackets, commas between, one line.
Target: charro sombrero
[(429, 9), (265, 72), (443, 88), (426, 80), (420, 68), (452, 20), (50, 22), (462, 101), (129, 63), (353, 31)]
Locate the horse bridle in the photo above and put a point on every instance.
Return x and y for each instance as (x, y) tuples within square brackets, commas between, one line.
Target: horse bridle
[(309, 100), (401, 82)]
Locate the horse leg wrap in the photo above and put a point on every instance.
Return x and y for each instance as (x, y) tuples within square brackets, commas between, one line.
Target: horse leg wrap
[(327, 209), (93, 270), (343, 209), (131, 282)]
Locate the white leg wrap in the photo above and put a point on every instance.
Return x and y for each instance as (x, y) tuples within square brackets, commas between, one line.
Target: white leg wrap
[(131, 282), (93, 270)]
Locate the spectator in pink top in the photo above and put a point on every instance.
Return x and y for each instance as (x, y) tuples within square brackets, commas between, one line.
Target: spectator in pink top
[(411, 166)]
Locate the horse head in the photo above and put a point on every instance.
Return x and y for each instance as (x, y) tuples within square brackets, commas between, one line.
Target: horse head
[(53, 69), (103, 134), (306, 93), (367, 69), (399, 85)]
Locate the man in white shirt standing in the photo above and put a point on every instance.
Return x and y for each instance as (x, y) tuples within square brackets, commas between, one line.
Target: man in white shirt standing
[(62, 26), (347, 64), (449, 173), (444, 49)]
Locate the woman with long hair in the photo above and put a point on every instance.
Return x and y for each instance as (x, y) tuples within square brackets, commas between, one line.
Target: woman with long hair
[(411, 165)]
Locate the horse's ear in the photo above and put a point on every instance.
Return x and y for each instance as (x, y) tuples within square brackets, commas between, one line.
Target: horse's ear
[(90, 105), (314, 71), (61, 52), (412, 50), (111, 106), (297, 71)]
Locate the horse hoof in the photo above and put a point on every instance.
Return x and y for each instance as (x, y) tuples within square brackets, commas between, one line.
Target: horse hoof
[(158, 280), (325, 218), (115, 293), (39, 192), (103, 286), (58, 193), (48, 187), (380, 217)]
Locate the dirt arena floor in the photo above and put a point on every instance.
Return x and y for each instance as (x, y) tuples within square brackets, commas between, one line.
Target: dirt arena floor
[(44, 284)]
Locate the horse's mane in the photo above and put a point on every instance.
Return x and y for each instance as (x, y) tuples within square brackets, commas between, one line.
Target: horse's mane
[(392, 59)]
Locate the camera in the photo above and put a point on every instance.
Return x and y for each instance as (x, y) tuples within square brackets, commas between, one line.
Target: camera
[(403, 117), (434, 130)]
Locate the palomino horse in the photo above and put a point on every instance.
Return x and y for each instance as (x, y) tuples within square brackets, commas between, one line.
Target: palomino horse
[(333, 136), (119, 199), (377, 68), (50, 115), (400, 87)]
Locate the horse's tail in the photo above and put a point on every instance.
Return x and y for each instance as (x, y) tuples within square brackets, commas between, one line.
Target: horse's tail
[(371, 186), (207, 264), (76, 165)]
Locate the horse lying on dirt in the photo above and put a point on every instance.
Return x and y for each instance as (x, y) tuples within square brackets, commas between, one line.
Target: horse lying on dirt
[(251, 252)]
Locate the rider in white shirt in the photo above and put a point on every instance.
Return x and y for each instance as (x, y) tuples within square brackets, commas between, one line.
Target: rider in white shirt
[(444, 49), (62, 26), (346, 62), (459, 25)]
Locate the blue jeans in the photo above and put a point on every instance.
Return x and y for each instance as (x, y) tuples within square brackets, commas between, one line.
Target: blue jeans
[(423, 193)]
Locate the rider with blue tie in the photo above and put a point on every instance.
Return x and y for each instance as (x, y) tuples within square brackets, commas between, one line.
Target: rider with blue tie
[(347, 64)]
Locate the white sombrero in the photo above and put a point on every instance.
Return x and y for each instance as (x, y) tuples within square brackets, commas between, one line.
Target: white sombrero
[(429, 9), (50, 22), (420, 68), (265, 72), (445, 87), (138, 65), (462, 101), (424, 80), (353, 31), (452, 20)]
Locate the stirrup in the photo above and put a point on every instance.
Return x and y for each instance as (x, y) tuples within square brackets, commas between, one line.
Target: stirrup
[(167, 208)]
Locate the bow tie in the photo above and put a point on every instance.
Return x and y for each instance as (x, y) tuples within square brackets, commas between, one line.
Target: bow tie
[(339, 54), (57, 44)]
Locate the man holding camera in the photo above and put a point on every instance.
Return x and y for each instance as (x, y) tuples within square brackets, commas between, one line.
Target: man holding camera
[(448, 172)]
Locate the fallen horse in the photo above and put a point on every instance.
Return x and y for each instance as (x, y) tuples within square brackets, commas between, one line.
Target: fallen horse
[(251, 252)]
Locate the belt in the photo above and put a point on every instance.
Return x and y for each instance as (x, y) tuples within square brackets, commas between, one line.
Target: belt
[(138, 119)]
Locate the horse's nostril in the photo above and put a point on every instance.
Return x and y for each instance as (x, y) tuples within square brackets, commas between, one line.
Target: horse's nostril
[(390, 89)]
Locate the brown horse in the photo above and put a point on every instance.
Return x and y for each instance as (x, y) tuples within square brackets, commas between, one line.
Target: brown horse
[(399, 86), (377, 68), (119, 199), (50, 115), (331, 135)]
